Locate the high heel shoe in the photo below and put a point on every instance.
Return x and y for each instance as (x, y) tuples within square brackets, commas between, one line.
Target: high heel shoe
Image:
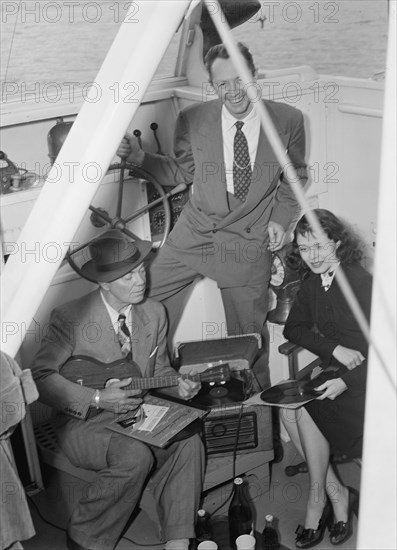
[(342, 530), (306, 538)]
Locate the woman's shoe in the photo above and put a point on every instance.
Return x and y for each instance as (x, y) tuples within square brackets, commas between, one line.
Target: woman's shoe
[(341, 530), (306, 538)]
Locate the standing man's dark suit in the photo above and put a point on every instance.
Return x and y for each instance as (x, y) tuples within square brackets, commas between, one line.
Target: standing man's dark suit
[(217, 235), (123, 465)]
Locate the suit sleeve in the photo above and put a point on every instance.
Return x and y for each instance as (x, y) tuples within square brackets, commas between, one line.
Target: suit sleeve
[(162, 365), (173, 170), (356, 379), (54, 389), (285, 205)]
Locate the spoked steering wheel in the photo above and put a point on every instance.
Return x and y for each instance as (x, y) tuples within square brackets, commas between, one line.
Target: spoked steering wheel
[(100, 217)]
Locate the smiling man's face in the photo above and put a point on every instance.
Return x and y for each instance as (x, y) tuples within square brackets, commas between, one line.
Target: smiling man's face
[(230, 89)]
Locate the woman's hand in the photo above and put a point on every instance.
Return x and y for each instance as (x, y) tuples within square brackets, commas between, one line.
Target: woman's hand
[(114, 398), (333, 388), (351, 358), (187, 388)]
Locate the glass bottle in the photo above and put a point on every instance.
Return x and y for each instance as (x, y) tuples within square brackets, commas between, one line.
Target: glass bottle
[(203, 526), (270, 535), (240, 513)]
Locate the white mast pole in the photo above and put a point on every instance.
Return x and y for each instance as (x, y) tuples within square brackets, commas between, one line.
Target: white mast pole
[(83, 161), (377, 525)]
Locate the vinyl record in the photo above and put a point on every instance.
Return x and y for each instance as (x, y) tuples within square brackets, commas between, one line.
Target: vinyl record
[(220, 394), (291, 392), (218, 391)]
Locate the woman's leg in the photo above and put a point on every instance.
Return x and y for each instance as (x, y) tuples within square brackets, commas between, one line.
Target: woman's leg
[(316, 451), (323, 480), (289, 420)]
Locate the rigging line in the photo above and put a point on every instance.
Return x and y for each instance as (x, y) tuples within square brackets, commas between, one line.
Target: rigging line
[(289, 170), (12, 41)]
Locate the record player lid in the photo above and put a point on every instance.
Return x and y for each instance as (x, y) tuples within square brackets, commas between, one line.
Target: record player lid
[(229, 349)]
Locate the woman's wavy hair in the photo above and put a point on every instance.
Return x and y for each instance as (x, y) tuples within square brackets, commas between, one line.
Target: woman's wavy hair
[(349, 251)]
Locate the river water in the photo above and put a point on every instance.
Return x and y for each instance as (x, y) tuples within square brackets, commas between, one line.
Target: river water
[(66, 41)]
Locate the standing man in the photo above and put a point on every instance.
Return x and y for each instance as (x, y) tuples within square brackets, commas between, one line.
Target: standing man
[(241, 204), (117, 322)]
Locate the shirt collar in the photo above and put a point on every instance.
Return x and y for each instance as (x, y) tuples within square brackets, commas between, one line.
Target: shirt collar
[(229, 120), (114, 314), (328, 277)]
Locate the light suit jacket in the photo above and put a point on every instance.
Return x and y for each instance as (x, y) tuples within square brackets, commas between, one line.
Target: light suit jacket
[(83, 327), (228, 244)]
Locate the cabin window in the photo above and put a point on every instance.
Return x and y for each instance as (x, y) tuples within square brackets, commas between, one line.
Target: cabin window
[(50, 49)]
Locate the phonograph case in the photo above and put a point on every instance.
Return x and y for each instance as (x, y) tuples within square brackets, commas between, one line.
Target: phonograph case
[(238, 352)]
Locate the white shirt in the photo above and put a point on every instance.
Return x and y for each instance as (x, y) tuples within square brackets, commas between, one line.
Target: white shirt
[(114, 315), (251, 131)]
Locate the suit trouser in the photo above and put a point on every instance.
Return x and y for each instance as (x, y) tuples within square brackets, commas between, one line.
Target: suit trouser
[(106, 505), (246, 308)]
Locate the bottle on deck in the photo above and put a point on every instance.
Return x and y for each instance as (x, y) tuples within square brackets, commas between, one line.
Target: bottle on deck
[(270, 538), (240, 513), (203, 526)]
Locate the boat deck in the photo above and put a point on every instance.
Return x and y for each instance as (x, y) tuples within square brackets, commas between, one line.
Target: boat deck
[(285, 500)]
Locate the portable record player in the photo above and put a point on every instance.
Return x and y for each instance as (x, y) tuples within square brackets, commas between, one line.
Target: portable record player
[(233, 426), (239, 352), (229, 426)]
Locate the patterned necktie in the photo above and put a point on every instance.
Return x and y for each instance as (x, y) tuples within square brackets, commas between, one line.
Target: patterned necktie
[(242, 172), (124, 337)]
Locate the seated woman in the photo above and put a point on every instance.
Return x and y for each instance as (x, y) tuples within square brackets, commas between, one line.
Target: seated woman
[(322, 322)]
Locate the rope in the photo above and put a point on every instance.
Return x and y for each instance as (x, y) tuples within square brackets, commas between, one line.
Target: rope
[(12, 41)]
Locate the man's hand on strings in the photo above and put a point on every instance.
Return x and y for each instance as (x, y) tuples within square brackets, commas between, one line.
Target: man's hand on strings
[(114, 398)]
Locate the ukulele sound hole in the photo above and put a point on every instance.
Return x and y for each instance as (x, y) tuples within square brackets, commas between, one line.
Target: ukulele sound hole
[(110, 381)]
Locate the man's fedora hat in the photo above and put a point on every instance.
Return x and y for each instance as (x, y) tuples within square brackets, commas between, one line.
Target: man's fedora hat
[(113, 255)]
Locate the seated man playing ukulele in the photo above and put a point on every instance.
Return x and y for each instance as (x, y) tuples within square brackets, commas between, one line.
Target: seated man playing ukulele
[(117, 322)]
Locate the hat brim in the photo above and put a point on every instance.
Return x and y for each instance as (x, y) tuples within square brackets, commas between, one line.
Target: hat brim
[(90, 272)]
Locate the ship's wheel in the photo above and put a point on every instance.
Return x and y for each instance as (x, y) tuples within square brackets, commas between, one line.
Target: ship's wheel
[(101, 218)]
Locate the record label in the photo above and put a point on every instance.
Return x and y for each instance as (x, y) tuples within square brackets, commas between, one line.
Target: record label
[(232, 391)]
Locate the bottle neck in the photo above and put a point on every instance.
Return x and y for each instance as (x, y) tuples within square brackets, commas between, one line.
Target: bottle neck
[(240, 493), (268, 523)]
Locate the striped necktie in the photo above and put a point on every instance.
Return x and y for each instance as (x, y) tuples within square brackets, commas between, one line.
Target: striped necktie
[(242, 172), (124, 337)]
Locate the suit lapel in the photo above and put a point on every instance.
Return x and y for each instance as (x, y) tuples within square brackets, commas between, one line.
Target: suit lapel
[(265, 174), (142, 334), (210, 144), (142, 338), (109, 341)]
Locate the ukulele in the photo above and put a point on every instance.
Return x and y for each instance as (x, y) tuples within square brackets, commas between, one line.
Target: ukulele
[(95, 374)]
